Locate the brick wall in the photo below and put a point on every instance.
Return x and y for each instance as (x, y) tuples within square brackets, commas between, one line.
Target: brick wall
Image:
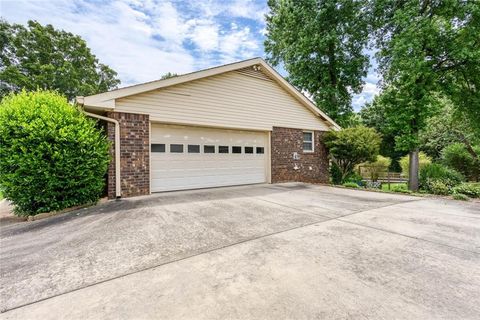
[(134, 154), (313, 166)]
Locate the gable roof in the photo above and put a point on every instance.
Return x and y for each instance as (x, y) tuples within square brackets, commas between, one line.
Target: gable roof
[(106, 100)]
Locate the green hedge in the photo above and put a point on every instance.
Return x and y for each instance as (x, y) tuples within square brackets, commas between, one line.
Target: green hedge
[(439, 179), (51, 155)]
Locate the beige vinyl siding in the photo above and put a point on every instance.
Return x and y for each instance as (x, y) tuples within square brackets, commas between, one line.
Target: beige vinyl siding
[(238, 99)]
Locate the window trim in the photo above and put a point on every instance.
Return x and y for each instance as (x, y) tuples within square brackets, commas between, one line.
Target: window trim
[(224, 146), (245, 150), (194, 145), (176, 144), (164, 147), (209, 145), (312, 142), (237, 152)]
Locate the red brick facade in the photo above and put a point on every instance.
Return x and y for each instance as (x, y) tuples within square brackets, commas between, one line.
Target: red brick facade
[(134, 154), (312, 166)]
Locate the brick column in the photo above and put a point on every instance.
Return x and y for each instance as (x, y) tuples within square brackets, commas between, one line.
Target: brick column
[(312, 166), (134, 154)]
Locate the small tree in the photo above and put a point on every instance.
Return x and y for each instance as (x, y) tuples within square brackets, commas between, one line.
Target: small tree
[(352, 146), (51, 155)]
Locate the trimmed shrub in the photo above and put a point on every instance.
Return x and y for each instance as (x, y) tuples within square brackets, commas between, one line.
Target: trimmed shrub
[(457, 157), (350, 185), (471, 190), (439, 179), (51, 155), (423, 160), (459, 196)]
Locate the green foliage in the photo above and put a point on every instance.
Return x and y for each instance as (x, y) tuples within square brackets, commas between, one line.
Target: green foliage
[(423, 160), (41, 57), (335, 173), (402, 188), (374, 115), (427, 49), (457, 157), (439, 179), (446, 127), (350, 185), (471, 190), (439, 187), (459, 196), (373, 169), (352, 146), (51, 156), (321, 44)]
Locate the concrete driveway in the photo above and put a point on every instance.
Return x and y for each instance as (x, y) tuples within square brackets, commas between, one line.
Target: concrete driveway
[(293, 251)]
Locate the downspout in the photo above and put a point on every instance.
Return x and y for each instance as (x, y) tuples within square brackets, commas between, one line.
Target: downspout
[(118, 191)]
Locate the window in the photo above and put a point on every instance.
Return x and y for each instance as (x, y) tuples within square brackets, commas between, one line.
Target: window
[(308, 141), (176, 148), (236, 149), (222, 149), (193, 148), (208, 149), (248, 149), (158, 147), (260, 150)]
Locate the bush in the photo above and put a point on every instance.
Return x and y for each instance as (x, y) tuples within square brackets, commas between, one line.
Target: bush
[(459, 196), (335, 174), (457, 157), (439, 179), (51, 155), (350, 185), (438, 187), (354, 177), (471, 190), (423, 160)]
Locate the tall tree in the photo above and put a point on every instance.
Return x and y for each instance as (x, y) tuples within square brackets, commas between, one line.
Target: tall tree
[(320, 43), (42, 57), (374, 115), (417, 63)]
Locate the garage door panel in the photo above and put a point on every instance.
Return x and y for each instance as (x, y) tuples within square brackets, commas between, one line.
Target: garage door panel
[(177, 171)]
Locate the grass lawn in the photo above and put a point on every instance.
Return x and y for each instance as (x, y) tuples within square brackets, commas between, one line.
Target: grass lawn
[(399, 184)]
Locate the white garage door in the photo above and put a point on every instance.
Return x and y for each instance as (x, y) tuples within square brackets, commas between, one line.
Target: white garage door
[(190, 157)]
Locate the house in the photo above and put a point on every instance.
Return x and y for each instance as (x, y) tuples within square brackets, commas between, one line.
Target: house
[(236, 124)]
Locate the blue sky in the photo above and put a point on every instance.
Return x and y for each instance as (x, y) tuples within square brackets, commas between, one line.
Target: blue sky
[(142, 40)]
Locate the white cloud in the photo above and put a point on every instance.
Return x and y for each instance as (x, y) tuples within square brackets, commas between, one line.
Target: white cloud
[(142, 40), (205, 34)]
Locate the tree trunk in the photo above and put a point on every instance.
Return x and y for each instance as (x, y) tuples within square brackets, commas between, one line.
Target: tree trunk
[(413, 170)]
